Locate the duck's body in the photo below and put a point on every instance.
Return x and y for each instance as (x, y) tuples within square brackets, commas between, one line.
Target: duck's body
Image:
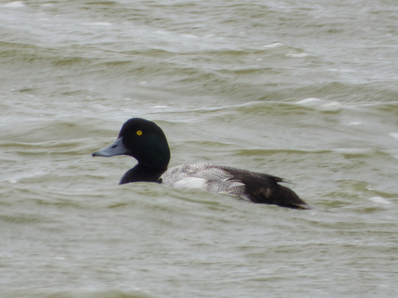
[(145, 141)]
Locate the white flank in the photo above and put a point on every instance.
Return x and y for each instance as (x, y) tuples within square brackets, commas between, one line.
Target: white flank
[(190, 182)]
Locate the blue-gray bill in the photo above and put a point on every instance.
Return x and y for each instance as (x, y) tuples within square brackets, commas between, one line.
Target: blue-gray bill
[(116, 148)]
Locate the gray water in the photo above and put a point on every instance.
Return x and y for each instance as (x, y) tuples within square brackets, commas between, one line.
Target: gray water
[(305, 90)]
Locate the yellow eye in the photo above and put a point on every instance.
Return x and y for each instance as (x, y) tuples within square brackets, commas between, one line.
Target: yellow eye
[(139, 132)]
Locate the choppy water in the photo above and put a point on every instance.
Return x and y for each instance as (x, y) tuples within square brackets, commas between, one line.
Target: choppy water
[(305, 90)]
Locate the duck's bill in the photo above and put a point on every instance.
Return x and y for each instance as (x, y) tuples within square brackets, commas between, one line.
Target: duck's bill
[(116, 148)]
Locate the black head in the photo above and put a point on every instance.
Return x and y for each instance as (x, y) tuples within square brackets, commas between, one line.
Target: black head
[(146, 142), (143, 140)]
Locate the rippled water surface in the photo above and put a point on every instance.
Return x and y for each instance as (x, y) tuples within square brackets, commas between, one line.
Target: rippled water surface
[(305, 90)]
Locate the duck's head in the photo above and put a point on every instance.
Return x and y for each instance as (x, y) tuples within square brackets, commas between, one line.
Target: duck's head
[(143, 140)]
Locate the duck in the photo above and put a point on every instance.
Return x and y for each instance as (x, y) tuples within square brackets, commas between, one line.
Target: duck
[(146, 142)]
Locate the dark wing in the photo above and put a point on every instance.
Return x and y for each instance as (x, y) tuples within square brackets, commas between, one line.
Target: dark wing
[(256, 187), (264, 189)]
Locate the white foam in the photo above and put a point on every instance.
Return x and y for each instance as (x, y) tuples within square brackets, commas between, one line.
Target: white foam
[(393, 135), (330, 107), (12, 181), (352, 150), (301, 55), (159, 107), (341, 70), (380, 200), (15, 4), (310, 101), (162, 32), (190, 36), (274, 45), (321, 104), (355, 123), (98, 24)]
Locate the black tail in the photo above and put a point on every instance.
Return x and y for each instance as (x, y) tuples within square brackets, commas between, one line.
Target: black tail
[(264, 189)]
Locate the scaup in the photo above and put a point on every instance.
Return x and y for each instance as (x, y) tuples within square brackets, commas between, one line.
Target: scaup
[(146, 142)]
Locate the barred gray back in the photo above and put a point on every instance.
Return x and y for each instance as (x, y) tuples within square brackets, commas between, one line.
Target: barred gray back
[(215, 178)]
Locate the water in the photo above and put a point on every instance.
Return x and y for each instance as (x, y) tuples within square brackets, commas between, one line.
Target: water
[(305, 90)]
